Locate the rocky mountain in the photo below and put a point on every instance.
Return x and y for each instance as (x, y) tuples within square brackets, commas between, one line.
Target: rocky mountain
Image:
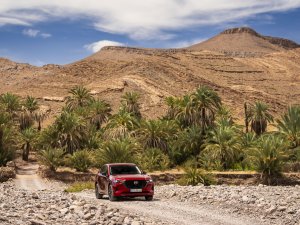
[(240, 64), (245, 42)]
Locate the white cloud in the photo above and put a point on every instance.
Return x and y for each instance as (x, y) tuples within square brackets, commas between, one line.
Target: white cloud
[(31, 32), (45, 35), (148, 19), (35, 33), (96, 46)]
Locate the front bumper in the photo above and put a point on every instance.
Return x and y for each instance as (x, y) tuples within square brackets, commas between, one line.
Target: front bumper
[(120, 190)]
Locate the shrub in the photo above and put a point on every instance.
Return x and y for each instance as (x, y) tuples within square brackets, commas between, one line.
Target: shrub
[(7, 145), (269, 156), (52, 158), (194, 176), (80, 186), (153, 159), (81, 160)]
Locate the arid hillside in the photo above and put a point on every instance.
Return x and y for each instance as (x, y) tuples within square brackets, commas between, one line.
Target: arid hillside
[(239, 63)]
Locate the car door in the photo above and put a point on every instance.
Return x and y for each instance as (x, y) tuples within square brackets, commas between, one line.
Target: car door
[(103, 180)]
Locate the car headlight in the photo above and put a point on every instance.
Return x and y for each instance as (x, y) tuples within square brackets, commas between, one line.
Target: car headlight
[(150, 181), (117, 182)]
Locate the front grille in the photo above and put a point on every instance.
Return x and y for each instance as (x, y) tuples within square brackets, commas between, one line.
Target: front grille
[(135, 184)]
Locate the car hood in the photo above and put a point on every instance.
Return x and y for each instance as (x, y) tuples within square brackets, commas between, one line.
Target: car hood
[(131, 177)]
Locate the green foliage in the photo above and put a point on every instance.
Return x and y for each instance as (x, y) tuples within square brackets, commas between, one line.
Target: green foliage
[(52, 158), (31, 104), (129, 102), (121, 125), (7, 144), (100, 111), (259, 117), (153, 159), (269, 155), (81, 160), (80, 186), (117, 151), (71, 131), (223, 145), (27, 140), (194, 176), (289, 126), (80, 97), (10, 102), (187, 144), (156, 133)]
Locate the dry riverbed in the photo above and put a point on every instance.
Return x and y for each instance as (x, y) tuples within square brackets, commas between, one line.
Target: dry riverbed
[(32, 200)]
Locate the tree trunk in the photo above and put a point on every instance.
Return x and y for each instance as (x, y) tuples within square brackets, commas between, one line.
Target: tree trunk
[(26, 150), (39, 126), (246, 117)]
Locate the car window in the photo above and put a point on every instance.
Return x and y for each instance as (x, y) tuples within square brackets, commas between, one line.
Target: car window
[(124, 169)]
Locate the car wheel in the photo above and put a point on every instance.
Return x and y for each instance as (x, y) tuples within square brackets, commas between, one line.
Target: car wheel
[(98, 195), (149, 198), (111, 194)]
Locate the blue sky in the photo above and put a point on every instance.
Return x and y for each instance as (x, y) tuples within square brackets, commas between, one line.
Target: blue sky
[(55, 31)]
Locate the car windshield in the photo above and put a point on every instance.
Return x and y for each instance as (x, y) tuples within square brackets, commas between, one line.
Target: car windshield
[(124, 169)]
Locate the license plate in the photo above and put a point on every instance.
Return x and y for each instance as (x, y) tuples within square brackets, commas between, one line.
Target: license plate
[(136, 190)]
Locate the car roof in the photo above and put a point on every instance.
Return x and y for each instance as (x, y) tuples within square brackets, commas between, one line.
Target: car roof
[(120, 164)]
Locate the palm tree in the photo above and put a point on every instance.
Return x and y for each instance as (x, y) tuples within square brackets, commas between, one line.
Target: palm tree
[(130, 103), (289, 125), (117, 151), (28, 137), (25, 119), (7, 138), (223, 144), (71, 131), (269, 155), (121, 125), (259, 117), (10, 102), (39, 116), (185, 112), (49, 138), (80, 97), (190, 140), (173, 107), (100, 111), (31, 104), (156, 133), (206, 102)]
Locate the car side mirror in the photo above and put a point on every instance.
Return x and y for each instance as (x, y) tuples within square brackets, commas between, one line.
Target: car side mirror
[(143, 172)]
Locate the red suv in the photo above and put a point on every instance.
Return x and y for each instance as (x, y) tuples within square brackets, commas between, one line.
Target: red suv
[(123, 180)]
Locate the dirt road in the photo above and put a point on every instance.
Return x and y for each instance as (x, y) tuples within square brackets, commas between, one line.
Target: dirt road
[(27, 178), (176, 212)]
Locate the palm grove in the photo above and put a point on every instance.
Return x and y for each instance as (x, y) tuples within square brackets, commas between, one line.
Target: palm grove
[(197, 130)]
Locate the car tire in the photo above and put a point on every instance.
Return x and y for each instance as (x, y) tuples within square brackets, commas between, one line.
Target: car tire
[(98, 195), (149, 198), (111, 194)]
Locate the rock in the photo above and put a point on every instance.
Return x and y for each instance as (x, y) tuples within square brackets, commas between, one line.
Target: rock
[(54, 99), (37, 222), (88, 216), (245, 199), (271, 210), (35, 195)]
